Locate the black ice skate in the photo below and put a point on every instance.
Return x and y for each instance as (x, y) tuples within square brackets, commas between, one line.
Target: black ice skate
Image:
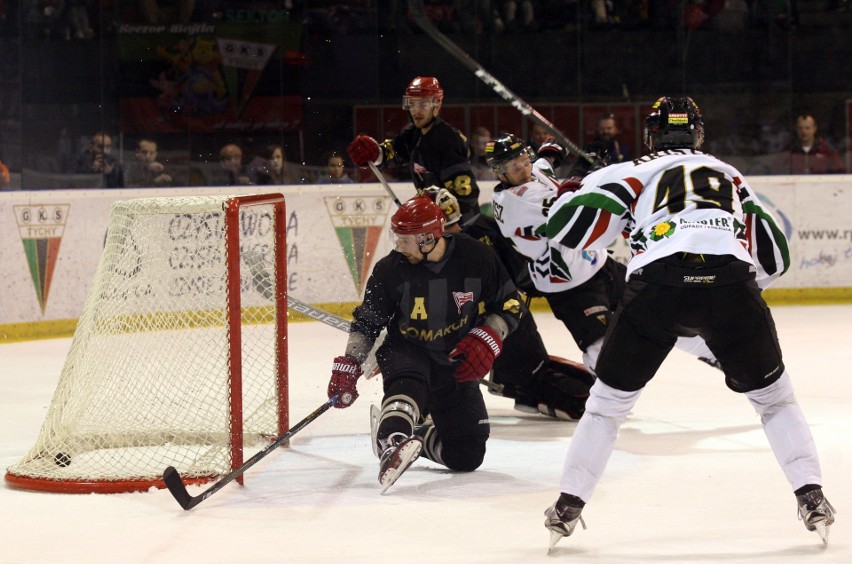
[(561, 518), (400, 453), (816, 512)]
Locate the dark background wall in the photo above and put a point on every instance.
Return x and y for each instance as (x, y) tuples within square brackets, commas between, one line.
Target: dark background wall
[(751, 76)]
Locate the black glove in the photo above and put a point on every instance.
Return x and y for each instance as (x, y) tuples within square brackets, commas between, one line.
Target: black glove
[(599, 154), (552, 151)]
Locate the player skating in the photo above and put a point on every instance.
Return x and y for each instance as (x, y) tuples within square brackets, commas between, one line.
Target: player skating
[(690, 219), (447, 304), (582, 287), (436, 153)]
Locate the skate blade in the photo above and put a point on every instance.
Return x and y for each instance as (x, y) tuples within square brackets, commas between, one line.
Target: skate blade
[(407, 454), (375, 415), (554, 538), (822, 531)]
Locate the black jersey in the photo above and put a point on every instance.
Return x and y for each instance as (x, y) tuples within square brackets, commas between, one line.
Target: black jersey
[(434, 305), (440, 158), (485, 229)]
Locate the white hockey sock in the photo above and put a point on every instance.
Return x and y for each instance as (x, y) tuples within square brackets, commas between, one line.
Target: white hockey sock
[(788, 432), (594, 439)]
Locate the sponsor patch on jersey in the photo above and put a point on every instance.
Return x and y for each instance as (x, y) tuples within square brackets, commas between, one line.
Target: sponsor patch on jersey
[(710, 279), (678, 119), (462, 298)]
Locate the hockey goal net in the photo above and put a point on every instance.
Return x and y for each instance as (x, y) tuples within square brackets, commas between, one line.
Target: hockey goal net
[(180, 356)]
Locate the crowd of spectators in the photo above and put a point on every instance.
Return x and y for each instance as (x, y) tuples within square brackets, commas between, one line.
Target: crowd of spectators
[(77, 19)]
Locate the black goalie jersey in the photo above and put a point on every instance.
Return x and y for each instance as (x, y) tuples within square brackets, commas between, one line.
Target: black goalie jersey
[(434, 305)]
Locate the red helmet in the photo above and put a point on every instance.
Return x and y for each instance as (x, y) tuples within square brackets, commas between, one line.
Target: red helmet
[(419, 216), (425, 87)]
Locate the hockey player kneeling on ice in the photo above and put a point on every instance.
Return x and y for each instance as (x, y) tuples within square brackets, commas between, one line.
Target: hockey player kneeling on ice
[(692, 221), (447, 304), (525, 372)]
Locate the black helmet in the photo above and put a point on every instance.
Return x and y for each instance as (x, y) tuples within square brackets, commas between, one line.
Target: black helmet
[(674, 123), (503, 149)]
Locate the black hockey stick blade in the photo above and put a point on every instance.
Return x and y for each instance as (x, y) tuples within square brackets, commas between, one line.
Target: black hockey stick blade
[(175, 483), (516, 101)]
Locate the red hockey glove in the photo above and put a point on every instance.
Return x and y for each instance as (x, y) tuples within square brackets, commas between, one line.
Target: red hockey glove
[(476, 353), (363, 150), (552, 151), (344, 376)]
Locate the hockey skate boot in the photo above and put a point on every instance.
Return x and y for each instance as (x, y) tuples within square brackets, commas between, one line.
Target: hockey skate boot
[(561, 517), (816, 512), (401, 451)]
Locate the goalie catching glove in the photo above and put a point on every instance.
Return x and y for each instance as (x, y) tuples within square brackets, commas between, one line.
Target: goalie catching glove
[(344, 379), (364, 150), (476, 353)]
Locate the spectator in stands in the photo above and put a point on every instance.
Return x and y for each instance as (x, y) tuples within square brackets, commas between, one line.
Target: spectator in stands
[(810, 154), (97, 159), (77, 20), (280, 170), (442, 13), (335, 171), (607, 134), (147, 171), (477, 16), (5, 179), (231, 161), (479, 138), (518, 15), (537, 136)]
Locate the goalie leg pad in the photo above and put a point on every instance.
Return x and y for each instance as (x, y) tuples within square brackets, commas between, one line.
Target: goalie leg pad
[(564, 389)]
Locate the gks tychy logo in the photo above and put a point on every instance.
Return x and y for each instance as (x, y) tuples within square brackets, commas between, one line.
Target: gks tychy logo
[(41, 227), (359, 222)]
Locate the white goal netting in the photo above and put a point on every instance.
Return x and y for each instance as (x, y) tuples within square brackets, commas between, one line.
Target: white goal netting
[(179, 357)]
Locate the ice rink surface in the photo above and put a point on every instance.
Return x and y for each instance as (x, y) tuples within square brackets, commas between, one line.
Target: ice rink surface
[(692, 478)]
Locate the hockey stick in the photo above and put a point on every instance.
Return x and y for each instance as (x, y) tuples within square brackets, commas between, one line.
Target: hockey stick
[(384, 182), (516, 101), (262, 282), (178, 489), (318, 314)]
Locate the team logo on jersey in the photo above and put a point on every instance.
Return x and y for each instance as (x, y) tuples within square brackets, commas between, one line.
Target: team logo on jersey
[(664, 229), (462, 298), (359, 222), (41, 227)]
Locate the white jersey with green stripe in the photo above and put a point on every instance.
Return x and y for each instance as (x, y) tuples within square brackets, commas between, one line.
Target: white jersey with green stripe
[(672, 201), (521, 212)]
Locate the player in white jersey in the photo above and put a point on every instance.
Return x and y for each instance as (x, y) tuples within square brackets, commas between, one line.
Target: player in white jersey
[(692, 222), (582, 287)]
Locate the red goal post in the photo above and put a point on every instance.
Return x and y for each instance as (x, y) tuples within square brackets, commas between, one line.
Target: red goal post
[(180, 355)]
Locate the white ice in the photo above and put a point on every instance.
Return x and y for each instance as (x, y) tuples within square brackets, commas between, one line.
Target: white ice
[(691, 480)]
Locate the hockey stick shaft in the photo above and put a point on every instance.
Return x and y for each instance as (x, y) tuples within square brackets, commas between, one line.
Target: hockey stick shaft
[(385, 183), (516, 101), (178, 489)]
